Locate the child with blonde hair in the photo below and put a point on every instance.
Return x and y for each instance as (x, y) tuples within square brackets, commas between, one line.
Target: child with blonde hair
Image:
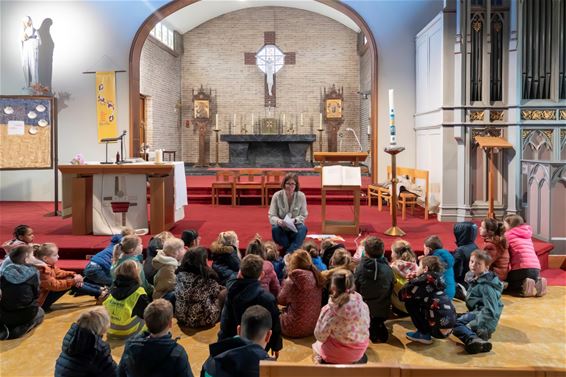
[(404, 266), (127, 301), (155, 244), (84, 352), (130, 248), (524, 275), (55, 282), (166, 262), (342, 330), (225, 257)]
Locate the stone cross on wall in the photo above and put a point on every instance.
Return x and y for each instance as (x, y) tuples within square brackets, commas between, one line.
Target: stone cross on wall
[(250, 58)]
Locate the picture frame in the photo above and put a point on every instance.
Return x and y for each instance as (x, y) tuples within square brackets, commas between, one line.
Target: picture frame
[(333, 108), (202, 109)]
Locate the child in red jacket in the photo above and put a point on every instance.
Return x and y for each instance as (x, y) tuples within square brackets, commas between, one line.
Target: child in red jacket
[(524, 275), (55, 282)]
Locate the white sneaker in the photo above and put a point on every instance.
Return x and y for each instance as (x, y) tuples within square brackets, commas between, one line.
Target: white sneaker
[(529, 289), (540, 287)]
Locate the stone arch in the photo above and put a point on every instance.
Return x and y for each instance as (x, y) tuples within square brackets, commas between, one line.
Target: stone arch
[(170, 8)]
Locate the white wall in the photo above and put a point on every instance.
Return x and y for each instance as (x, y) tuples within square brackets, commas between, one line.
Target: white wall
[(97, 35)]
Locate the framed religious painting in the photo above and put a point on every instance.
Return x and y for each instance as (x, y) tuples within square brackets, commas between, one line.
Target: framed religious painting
[(333, 108), (202, 109)]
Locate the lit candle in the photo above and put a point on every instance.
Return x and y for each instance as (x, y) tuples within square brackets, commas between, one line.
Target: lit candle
[(302, 120), (252, 119), (392, 132), (234, 119), (320, 123), (216, 128), (283, 118), (158, 156)]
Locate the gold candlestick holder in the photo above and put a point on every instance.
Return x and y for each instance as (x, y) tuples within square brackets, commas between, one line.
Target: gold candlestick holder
[(394, 231), (217, 132)]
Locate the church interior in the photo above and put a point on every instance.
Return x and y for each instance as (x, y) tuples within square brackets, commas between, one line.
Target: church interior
[(409, 117)]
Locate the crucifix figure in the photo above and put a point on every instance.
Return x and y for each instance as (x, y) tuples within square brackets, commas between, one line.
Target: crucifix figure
[(269, 59)]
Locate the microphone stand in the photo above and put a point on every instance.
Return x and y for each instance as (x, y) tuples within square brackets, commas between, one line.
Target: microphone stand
[(107, 162), (357, 140), (122, 161)]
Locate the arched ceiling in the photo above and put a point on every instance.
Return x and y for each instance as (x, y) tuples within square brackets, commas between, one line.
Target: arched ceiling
[(192, 16)]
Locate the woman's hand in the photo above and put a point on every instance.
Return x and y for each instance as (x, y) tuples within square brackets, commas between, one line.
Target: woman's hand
[(281, 223)]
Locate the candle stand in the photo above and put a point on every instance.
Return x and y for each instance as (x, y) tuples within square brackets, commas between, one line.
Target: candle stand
[(320, 130), (216, 131), (394, 231)]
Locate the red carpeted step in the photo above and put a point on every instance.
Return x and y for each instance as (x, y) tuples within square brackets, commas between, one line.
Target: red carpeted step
[(76, 265), (555, 276)]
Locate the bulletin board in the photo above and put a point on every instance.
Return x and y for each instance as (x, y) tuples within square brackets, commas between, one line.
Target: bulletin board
[(27, 125)]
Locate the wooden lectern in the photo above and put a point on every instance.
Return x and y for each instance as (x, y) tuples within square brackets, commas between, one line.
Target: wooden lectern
[(77, 193), (489, 144), (340, 226)]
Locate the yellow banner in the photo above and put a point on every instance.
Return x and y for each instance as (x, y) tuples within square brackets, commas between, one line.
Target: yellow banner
[(106, 105)]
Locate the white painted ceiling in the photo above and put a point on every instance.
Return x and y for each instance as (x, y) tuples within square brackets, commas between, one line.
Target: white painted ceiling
[(196, 14)]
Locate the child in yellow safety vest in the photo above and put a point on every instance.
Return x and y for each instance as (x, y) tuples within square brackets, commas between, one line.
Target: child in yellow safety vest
[(126, 302)]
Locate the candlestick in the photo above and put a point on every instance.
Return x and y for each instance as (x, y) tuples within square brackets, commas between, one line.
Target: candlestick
[(234, 120), (216, 128), (302, 120), (283, 119), (392, 131), (252, 120), (320, 123)]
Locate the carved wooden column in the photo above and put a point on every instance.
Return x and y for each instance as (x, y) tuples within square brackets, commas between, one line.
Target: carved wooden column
[(333, 115), (201, 114)]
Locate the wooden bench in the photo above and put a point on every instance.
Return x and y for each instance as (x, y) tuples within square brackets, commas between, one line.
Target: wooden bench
[(406, 199), (286, 369)]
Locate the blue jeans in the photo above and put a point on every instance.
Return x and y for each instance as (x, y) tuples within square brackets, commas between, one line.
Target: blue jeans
[(94, 273), (461, 330), (287, 239)]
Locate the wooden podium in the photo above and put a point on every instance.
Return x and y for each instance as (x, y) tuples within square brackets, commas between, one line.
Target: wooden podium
[(77, 193), (340, 226)]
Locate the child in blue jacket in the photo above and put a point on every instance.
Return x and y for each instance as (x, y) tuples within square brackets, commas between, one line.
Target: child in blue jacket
[(433, 247)]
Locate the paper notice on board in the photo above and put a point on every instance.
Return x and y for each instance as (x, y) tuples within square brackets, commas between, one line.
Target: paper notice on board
[(16, 127)]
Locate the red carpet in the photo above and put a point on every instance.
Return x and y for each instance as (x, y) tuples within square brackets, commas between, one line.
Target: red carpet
[(246, 221)]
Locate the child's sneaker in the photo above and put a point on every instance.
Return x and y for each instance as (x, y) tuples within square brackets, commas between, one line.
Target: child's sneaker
[(540, 286), (529, 289), (4, 332), (416, 336), (477, 345)]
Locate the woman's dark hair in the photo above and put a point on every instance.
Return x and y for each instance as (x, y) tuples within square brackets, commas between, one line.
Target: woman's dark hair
[(288, 177), (189, 237), (20, 231), (194, 262), (495, 231), (256, 247)]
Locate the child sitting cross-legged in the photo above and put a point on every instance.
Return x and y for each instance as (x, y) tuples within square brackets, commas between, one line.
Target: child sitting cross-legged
[(484, 304), (19, 310), (55, 282), (428, 305), (312, 248), (404, 266), (154, 353), (240, 355), (246, 291), (126, 302), (23, 235), (130, 248), (166, 262), (433, 247), (84, 352), (225, 257), (342, 330), (374, 281), (272, 255)]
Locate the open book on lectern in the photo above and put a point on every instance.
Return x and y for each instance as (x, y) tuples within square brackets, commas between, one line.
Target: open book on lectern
[(338, 175)]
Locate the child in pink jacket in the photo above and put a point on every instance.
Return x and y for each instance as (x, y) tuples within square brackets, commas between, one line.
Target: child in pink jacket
[(524, 275), (342, 330)]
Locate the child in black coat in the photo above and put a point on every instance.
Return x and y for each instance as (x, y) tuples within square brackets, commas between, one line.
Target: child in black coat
[(226, 261)]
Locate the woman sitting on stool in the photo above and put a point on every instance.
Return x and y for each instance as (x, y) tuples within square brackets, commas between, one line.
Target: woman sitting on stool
[(288, 208)]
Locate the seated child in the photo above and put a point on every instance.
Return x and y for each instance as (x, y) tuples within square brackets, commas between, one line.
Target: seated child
[(404, 266), (483, 300), (374, 281), (84, 352), (97, 271), (154, 352), (327, 249), (301, 296), (269, 280), (246, 291), (311, 248), (428, 305), (54, 282), (199, 297), (130, 248), (155, 244), (276, 260), (524, 276), (240, 355), (225, 258), (495, 244), (127, 301), (341, 259), (190, 238), (342, 330), (19, 309), (433, 247), (465, 234), (165, 263), (23, 235)]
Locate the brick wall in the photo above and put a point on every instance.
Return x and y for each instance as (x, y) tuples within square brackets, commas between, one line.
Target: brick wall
[(214, 57), (160, 73)]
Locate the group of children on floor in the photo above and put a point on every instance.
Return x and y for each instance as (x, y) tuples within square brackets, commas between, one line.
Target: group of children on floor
[(245, 290)]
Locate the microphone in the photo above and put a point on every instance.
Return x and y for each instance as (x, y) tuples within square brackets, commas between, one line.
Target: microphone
[(356, 136)]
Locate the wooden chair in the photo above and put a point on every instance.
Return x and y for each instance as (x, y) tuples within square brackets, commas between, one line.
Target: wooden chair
[(169, 155), (225, 180), (381, 193), (409, 199), (250, 180), (273, 179)]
